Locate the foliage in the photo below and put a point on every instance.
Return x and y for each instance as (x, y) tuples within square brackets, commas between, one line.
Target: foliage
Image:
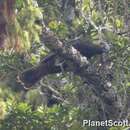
[(102, 20), (25, 24), (21, 116)]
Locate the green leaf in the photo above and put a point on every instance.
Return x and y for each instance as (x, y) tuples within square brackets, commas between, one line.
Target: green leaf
[(119, 23), (23, 107)]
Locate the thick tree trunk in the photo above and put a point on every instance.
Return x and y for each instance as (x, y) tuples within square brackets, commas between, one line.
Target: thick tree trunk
[(6, 16)]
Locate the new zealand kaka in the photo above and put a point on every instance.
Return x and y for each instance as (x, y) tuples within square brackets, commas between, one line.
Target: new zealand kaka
[(89, 50), (47, 65)]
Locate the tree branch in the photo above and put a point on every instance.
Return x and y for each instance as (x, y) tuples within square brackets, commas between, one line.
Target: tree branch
[(99, 85)]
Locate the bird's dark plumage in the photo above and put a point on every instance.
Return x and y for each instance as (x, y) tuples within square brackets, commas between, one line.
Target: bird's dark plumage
[(89, 50), (47, 65)]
